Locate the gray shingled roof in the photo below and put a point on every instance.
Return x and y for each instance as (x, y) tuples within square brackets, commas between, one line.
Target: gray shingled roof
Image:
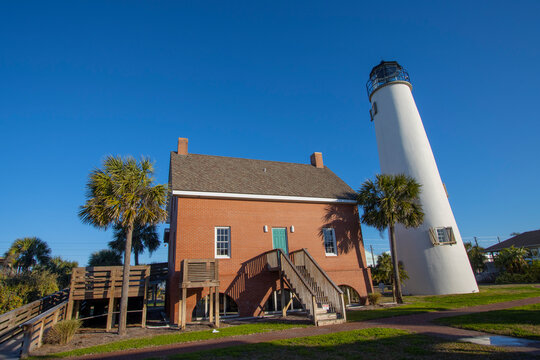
[(210, 173), (527, 239)]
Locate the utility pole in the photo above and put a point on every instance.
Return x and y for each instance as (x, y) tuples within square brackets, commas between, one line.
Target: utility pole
[(499, 239), (372, 256), (476, 241)]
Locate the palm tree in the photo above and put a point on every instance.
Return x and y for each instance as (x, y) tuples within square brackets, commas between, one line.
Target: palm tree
[(512, 259), (391, 200), (384, 271), (122, 193), (144, 237), (477, 257), (28, 252), (62, 269), (105, 257)]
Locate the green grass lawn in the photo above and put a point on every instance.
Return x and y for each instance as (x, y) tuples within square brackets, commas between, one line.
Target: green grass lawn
[(380, 344), (522, 321), (179, 337), (418, 304)]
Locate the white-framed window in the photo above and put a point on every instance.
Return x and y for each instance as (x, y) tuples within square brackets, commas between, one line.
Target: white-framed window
[(442, 235), (329, 236), (223, 241)]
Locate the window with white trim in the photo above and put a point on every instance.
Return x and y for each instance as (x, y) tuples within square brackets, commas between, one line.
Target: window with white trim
[(223, 241), (329, 236), (442, 235)]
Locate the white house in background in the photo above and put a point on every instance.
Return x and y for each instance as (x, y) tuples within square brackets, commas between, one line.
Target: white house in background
[(529, 240)]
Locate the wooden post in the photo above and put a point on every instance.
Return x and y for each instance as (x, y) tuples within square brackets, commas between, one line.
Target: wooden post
[(282, 288), (40, 336), (179, 319), (184, 300), (216, 308), (344, 308), (110, 313), (145, 297), (288, 305), (27, 339), (210, 298), (77, 306), (110, 310), (69, 311), (55, 318), (314, 304)]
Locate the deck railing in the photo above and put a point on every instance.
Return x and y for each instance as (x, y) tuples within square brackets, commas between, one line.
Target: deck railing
[(35, 329), (98, 282), (10, 321)]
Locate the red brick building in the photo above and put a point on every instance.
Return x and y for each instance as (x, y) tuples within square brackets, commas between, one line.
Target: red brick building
[(236, 210)]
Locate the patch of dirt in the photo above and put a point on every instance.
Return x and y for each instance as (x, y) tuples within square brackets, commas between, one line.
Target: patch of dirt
[(87, 337)]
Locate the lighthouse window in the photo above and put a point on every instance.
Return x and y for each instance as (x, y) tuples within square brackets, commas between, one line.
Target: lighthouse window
[(373, 110), (442, 235)]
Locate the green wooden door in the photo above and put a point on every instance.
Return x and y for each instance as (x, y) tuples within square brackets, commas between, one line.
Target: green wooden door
[(279, 239)]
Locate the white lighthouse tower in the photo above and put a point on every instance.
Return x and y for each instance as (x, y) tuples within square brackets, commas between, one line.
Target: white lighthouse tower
[(433, 254)]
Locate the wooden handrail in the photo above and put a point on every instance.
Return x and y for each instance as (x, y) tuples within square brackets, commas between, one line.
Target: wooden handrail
[(10, 322), (283, 256), (303, 290), (43, 315), (331, 291), (35, 328), (320, 269)]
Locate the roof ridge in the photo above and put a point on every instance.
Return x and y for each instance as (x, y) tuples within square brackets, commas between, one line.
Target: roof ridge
[(239, 158)]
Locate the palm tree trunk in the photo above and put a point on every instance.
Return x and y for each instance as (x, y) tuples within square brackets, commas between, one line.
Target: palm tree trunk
[(136, 254), (122, 324), (397, 280)]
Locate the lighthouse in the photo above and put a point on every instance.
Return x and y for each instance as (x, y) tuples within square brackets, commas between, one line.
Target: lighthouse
[(433, 253)]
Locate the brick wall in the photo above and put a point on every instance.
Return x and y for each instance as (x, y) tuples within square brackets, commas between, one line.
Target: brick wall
[(244, 276)]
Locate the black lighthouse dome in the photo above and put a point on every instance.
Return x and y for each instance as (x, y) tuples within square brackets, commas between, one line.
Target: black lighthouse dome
[(384, 73)]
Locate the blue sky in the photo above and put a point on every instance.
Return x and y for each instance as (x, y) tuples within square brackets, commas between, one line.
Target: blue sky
[(265, 80)]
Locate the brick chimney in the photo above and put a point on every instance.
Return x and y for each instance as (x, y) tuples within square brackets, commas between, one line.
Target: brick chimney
[(182, 146), (316, 160)]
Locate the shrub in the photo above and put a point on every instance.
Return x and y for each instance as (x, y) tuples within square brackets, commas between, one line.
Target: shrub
[(374, 298), (9, 299), (62, 332), (509, 278), (531, 274)]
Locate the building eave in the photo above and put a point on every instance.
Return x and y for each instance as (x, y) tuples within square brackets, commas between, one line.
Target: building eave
[(235, 196)]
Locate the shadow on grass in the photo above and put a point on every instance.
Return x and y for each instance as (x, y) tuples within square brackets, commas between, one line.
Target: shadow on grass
[(380, 344), (364, 315), (520, 322)]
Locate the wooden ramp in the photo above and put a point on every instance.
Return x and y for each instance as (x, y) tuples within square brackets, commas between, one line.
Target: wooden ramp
[(11, 330), (24, 328)]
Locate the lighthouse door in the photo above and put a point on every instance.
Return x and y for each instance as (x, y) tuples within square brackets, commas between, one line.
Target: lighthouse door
[(279, 239)]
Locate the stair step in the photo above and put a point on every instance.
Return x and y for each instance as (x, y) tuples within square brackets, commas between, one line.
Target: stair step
[(327, 316), (330, 322)]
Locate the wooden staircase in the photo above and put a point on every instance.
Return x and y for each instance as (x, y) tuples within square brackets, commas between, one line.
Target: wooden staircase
[(319, 296)]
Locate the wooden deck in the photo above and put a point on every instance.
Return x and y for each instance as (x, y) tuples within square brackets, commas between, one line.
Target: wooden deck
[(105, 282)]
